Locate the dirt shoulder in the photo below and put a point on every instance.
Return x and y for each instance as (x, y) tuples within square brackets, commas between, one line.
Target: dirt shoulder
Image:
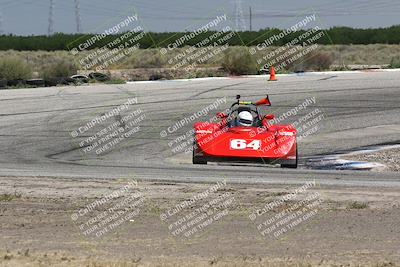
[(96, 222)]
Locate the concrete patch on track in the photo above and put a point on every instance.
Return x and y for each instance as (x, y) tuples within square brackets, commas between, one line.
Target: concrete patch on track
[(388, 156), (357, 160), (337, 163)]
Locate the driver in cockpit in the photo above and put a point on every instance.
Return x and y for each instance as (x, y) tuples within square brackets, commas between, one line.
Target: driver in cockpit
[(244, 119)]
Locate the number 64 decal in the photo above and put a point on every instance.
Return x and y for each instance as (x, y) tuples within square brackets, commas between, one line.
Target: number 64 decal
[(242, 144)]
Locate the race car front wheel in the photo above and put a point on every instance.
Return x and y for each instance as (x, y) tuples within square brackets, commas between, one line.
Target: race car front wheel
[(196, 159), (292, 165)]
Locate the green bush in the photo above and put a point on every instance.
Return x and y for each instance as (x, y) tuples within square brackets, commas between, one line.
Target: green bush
[(238, 61), (395, 62), (115, 81), (58, 68), (12, 68), (357, 205)]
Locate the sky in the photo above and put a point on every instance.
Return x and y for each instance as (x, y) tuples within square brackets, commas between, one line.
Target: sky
[(31, 17)]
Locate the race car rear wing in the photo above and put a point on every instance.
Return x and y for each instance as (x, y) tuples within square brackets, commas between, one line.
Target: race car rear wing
[(263, 102)]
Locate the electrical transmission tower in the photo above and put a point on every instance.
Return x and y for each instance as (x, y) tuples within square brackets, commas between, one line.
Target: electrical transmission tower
[(1, 24), (78, 17), (50, 30), (239, 17)]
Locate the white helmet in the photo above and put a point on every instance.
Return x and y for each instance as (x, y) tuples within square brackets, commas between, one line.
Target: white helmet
[(245, 119)]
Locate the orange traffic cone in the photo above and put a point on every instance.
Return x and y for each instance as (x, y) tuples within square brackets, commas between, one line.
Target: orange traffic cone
[(272, 74)]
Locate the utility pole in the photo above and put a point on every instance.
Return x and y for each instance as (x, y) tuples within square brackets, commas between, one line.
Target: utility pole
[(50, 30), (250, 18), (239, 19), (78, 17)]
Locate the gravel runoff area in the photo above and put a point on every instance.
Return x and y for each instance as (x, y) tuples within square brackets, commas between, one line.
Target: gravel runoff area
[(45, 221), (389, 157)]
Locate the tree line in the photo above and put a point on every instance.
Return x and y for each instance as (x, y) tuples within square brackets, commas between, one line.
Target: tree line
[(335, 35)]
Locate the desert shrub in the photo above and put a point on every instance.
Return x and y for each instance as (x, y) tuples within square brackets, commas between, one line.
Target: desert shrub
[(13, 68), (395, 62), (58, 68), (146, 58), (357, 205), (238, 60), (317, 61), (341, 68)]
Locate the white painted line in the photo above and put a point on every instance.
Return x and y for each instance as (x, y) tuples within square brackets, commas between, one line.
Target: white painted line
[(182, 80), (266, 76)]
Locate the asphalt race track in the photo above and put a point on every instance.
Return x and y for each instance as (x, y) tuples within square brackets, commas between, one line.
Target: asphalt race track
[(359, 109)]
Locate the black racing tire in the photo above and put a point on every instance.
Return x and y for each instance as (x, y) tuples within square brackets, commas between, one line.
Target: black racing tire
[(197, 159), (292, 166), (3, 83), (16, 82), (36, 82), (98, 76)]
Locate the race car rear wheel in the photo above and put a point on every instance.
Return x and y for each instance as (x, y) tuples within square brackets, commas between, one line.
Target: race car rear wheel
[(196, 159), (293, 165)]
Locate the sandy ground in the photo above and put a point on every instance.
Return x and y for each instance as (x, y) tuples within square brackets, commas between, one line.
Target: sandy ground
[(46, 222)]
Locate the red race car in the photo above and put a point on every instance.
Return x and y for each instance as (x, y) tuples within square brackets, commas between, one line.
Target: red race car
[(244, 135)]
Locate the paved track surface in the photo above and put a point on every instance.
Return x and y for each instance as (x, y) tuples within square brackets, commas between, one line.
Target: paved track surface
[(35, 125)]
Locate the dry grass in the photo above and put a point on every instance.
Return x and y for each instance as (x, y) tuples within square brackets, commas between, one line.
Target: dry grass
[(59, 67), (9, 197), (14, 67), (151, 64), (377, 54), (238, 61)]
